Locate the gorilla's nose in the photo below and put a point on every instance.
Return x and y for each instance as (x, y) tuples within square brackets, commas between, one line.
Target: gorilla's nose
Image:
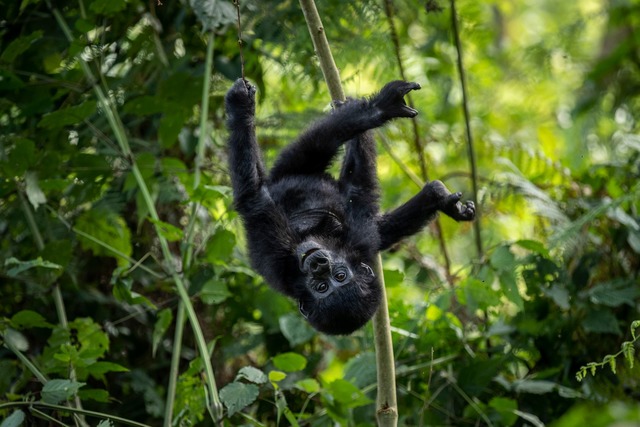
[(319, 265)]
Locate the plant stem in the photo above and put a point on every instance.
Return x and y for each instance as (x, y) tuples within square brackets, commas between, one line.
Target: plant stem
[(99, 415), (467, 120), (24, 359), (55, 292), (187, 248), (386, 406), (117, 127)]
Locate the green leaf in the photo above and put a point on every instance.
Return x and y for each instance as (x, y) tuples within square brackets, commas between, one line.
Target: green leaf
[(122, 292), (108, 7), (165, 317), (52, 63), (290, 362), (56, 391), (27, 265), (18, 46), (348, 394), (629, 351), (220, 246), (534, 386), (530, 418), (145, 105), (237, 396), (509, 285), (601, 321), (68, 116), (22, 266), (277, 376), (559, 295), (16, 339), (214, 291), (213, 14), (166, 230), (502, 259), (614, 293), (26, 319), (14, 420), (21, 156), (82, 343), (32, 188), (533, 246), (506, 409), (393, 277), (634, 241), (26, 3), (477, 294), (308, 385), (295, 329), (95, 394), (109, 228), (98, 369), (252, 374), (361, 370), (170, 126)]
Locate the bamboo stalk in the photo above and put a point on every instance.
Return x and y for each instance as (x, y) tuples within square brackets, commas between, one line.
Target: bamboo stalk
[(386, 403)]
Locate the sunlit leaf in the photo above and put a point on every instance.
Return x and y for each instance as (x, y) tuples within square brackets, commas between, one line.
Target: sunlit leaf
[(109, 228), (168, 231), (348, 394), (290, 362), (308, 385)]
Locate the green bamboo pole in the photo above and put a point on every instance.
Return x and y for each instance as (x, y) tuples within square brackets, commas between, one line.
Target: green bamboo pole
[(386, 403)]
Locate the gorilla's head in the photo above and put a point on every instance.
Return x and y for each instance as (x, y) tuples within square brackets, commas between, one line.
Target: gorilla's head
[(338, 292)]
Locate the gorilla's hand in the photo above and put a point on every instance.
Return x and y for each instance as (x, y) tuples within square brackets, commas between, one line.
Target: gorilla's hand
[(240, 101), (390, 101)]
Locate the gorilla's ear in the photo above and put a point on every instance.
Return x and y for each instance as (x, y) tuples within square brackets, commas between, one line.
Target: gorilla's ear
[(304, 313)]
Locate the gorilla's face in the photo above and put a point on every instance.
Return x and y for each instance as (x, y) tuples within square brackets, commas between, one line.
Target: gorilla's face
[(342, 292)]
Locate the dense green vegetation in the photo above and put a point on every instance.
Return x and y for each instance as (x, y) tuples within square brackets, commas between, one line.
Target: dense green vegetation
[(114, 203)]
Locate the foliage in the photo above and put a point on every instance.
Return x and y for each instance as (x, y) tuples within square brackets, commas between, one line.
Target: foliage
[(90, 311)]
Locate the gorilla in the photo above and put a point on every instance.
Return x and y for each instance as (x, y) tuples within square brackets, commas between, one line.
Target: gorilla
[(313, 237)]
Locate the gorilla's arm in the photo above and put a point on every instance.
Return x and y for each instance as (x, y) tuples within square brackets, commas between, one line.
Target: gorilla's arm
[(245, 162), (409, 218), (358, 178), (313, 151), (269, 236)]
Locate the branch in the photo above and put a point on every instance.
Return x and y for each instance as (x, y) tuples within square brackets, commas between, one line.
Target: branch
[(387, 408), (467, 122)]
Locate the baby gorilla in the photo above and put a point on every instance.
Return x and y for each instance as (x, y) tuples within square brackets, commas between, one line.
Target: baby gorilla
[(310, 236)]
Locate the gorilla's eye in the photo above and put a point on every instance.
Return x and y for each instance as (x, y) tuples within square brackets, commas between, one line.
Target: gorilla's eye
[(340, 276), (322, 287)]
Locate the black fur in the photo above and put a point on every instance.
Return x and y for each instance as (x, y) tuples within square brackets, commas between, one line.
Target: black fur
[(310, 236)]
